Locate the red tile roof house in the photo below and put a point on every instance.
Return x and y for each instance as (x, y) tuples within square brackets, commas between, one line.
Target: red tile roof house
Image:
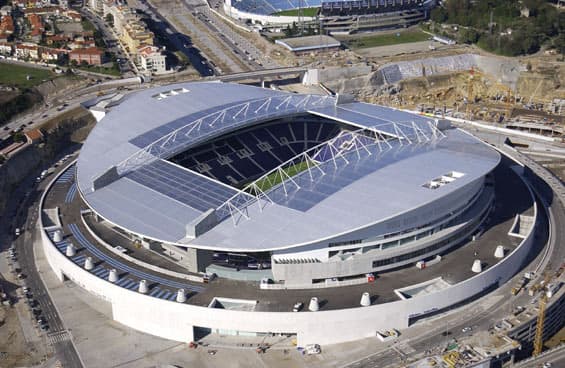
[(92, 55), (49, 54), (34, 136)]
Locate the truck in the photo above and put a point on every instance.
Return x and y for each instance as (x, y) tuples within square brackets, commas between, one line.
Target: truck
[(519, 285), (552, 289), (312, 349)]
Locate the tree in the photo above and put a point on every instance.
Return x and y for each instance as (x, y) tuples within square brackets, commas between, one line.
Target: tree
[(559, 43), (110, 19), (288, 31), (18, 137), (468, 35), (439, 15)]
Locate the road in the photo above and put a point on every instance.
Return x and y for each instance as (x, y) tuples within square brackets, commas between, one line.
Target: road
[(180, 41), (56, 106), (22, 212), (241, 46), (112, 43)]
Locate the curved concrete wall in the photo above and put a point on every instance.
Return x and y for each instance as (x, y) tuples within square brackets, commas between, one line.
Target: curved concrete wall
[(175, 321), (411, 218), (302, 274), (263, 19)]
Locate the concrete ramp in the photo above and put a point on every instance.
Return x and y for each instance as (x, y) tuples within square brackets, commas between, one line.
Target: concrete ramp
[(423, 288)]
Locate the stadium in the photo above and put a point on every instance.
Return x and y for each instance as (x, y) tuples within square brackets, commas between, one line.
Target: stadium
[(256, 199), (337, 16)]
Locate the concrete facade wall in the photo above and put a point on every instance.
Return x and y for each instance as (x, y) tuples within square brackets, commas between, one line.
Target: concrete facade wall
[(304, 273), (258, 18), (315, 76), (175, 321), (431, 212)]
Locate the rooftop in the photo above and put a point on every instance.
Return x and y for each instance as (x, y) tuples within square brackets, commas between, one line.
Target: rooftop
[(122, 168), (512, 197), (87, 51), (309, 43)]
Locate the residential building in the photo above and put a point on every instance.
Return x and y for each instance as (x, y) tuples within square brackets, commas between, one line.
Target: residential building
[(50, 54), (136, 35), (81, 43), (151, 59), (6, 48), (7, 24), (37, 27), (132, 31), (90, 55), (96, 6), (27, 51), (34, 136), (73, 15), (57, 39), (6, 10)]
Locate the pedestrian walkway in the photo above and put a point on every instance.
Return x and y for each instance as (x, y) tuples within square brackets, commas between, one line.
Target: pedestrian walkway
[(58, 336)]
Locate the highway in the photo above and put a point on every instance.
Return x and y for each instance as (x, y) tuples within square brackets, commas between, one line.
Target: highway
[(73, 98), (22, 212)]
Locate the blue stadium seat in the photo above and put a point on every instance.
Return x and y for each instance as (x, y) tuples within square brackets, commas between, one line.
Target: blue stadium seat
[(240, 158)]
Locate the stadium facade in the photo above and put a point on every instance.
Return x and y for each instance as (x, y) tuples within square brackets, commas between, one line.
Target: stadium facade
[(307, 191), (337, 16)]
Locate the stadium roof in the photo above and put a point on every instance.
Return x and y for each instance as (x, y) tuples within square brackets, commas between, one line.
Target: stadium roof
[(123, 175)]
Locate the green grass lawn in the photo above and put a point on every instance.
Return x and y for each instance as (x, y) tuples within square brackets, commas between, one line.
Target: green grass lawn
[(306, 12), (87, 25), (274, 178), (387, 39), (16, 75), (115, 71)]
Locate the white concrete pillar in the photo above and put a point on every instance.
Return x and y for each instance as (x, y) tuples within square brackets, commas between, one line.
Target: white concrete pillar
[(88, 263), (477, 266), (58, 236), (365, 300), (314, 305), (113, 275), (142, 287), (181, 296), (499, 252), (70, 251)]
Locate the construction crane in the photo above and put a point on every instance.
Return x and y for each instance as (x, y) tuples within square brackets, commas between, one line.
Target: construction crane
[(538, 340)]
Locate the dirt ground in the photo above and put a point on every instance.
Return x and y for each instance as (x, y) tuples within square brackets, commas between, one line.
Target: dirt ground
[(481, 94), (14, 350)]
